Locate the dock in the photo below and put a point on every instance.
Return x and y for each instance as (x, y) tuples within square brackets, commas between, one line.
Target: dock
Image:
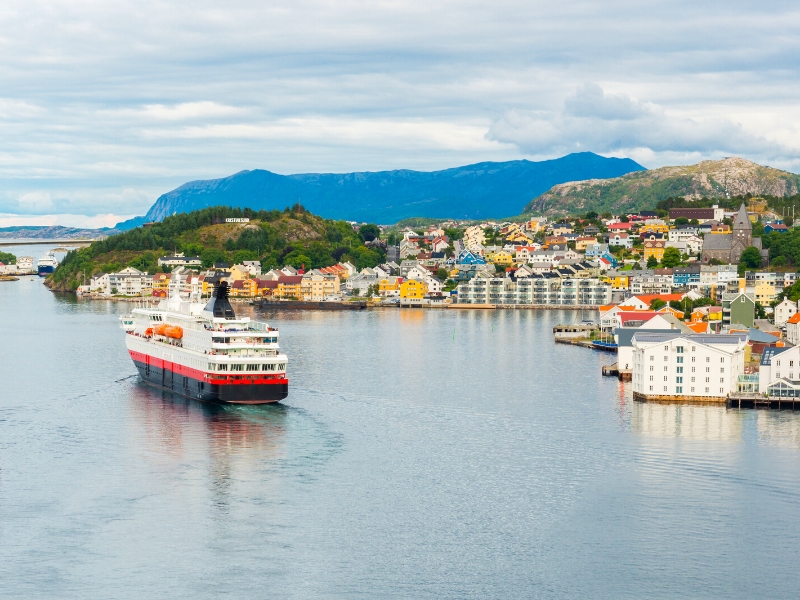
[(761, 401), (309, 305)]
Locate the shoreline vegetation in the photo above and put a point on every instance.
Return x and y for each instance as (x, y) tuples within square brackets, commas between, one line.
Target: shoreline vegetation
[(292, 236)]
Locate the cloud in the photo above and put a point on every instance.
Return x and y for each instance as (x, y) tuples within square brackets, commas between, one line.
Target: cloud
[(591, 119), (100, 97)]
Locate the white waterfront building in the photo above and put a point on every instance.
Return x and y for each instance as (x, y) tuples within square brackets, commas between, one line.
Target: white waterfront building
[(671, 365), (538, 290)]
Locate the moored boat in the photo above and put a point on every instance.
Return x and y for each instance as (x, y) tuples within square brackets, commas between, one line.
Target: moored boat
[(203, 351)]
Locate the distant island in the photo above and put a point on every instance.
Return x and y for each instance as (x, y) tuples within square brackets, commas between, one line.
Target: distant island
[(54, 232)]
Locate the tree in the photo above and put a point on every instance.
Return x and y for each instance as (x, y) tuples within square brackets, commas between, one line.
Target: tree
[(624, 219), (657, 304), (441, 274), (681, 221), (369, 232), (652, 262), (672, 257), (751, 258)]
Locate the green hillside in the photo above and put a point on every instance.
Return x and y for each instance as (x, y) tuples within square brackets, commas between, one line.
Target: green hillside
[(644, 189), (276, 238)]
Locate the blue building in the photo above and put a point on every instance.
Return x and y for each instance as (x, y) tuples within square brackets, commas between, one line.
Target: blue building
[(686, 276)]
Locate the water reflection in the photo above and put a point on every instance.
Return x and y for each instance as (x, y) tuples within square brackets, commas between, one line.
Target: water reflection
[(695, 422), (228, 443)]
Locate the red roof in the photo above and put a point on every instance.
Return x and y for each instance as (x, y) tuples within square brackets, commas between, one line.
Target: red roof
[(290, 279), (619, 226), (267, 283)]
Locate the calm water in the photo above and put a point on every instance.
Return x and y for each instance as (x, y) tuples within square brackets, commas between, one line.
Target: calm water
[(436, 454)]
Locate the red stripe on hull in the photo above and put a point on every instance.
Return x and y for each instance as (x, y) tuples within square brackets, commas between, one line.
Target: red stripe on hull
[(211, 378)]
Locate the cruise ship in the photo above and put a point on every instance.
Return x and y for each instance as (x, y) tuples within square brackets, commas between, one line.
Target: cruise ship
[(203, 351), (47, 264)]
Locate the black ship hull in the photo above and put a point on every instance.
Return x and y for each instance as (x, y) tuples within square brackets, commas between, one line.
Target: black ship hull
[(235, 392)]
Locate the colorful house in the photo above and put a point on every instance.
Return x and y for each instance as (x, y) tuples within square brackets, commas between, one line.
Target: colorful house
[(654, 248)]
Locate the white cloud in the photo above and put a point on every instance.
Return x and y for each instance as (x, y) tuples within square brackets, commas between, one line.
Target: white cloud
[(99, 97), (591, 119)]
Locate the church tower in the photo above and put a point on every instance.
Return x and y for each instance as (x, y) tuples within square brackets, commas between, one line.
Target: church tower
[(742, 234)]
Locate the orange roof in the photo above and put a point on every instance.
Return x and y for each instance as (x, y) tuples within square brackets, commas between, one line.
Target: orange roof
[(698, 327), (794, 319)]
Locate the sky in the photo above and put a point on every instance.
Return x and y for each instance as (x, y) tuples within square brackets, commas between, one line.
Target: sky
[(104, 105)]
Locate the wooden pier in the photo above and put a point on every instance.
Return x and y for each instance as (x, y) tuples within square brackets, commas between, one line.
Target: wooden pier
[(760, 401)]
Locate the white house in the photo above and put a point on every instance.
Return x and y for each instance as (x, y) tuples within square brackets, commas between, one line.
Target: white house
[(784, 311), (779, 364), (253, 267), (179, 260), (418, 272), (686, 366), (620, 239)]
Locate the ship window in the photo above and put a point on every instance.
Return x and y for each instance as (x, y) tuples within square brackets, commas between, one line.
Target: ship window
[(252, 367), (222, 367), (237, 367)]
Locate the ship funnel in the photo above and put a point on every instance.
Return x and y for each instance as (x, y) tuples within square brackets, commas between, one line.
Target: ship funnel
[(219, 306)]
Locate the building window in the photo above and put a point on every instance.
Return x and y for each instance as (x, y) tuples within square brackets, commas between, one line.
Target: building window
[(665, 388), (692, 369), (651, 378), (680, 359), (779, 363), (652, 357), (679, 349), (708, 369), (708, 359), (706, 390), (721, 391), (692, 390), (693, 357), (679, 380), (722, 369), (666, 348), (651, 367), (651, 388), (679, 370), (679, 390), (693, 349), (708, 379), (666, 358), (692, 379), (722, 359)]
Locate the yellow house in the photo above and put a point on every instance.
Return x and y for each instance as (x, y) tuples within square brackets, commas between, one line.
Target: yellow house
[(238, 272), (654, 228), (618, 281), (582, 242), (654, 248), (413, 289), (501, 257), (244, 288), (389, 286), (764, 293), (290, 286), (517, 236), (160, 285), (316, 286)]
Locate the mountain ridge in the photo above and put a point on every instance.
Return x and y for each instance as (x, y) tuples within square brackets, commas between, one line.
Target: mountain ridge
[(732, 176), (477, 191)]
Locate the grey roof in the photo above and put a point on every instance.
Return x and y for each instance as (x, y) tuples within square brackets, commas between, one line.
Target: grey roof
[(742, 221), (769, 352), (625, 334), (699, 338), (756, 335), (717, 241)]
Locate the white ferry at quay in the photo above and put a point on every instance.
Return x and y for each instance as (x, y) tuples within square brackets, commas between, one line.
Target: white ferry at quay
[(203, 351)]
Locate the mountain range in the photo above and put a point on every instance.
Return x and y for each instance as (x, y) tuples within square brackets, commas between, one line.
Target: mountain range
[(644, 189), (479, 191)]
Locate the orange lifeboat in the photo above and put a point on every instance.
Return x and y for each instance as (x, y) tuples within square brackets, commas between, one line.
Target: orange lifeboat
[(173, 331), (160, 329), (148, 332)]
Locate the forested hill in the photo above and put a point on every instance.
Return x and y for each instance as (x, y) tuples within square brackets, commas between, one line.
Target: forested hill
[(644, 189), (276, 238), (483, 190)]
